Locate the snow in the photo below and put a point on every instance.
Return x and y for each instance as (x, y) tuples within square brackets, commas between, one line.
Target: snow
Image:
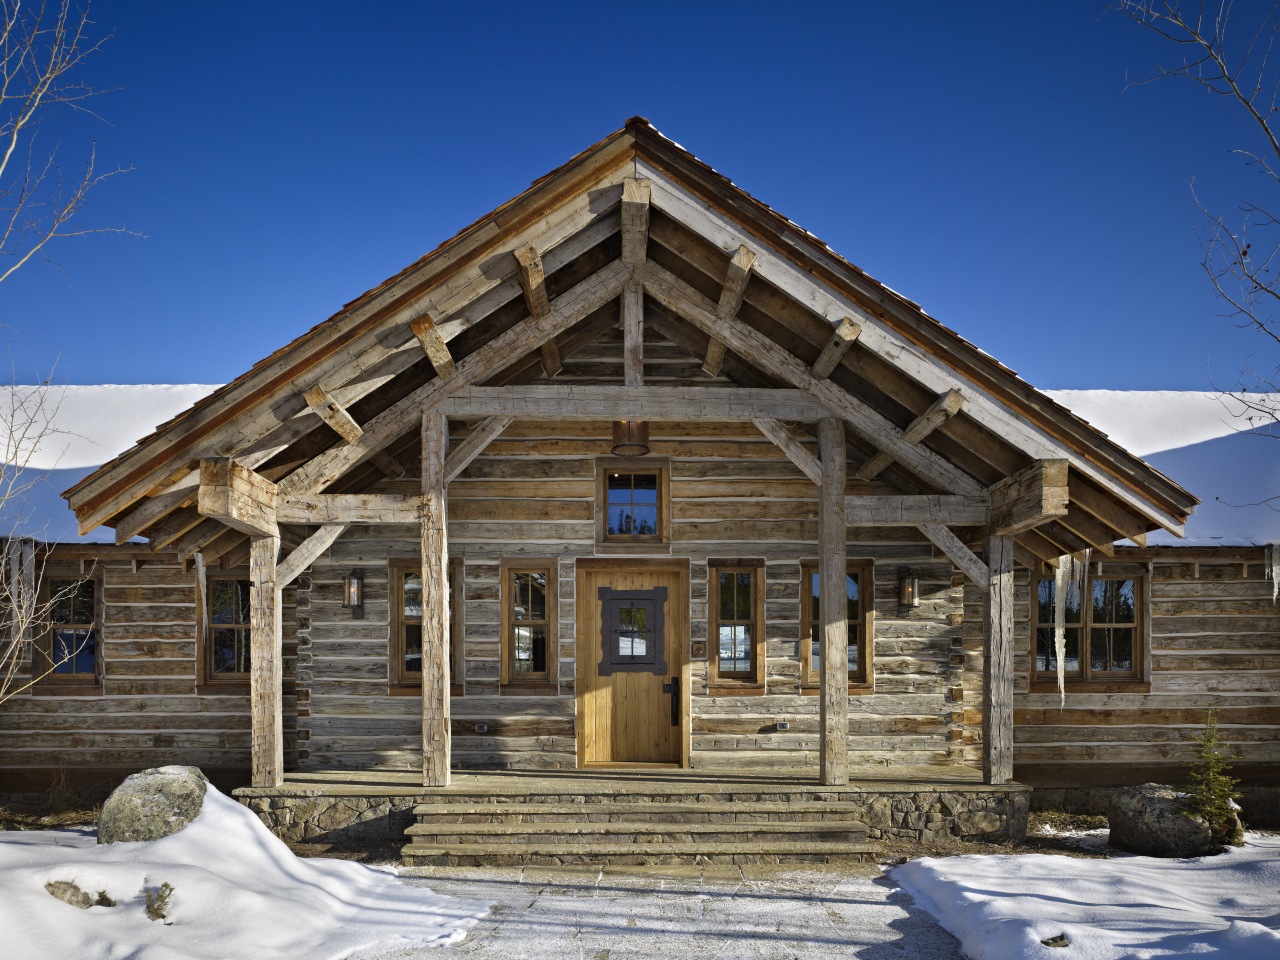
[(1003, 907), (238, 891)]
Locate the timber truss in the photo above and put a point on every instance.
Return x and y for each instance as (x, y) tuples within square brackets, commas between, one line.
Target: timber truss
[(636, 283)]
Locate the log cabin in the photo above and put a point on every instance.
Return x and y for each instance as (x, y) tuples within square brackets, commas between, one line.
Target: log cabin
[(635, 481)]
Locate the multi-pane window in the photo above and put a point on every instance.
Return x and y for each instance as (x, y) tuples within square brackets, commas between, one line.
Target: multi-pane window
[(528, 623), (409, 649), (857, 584), (227, 638), (1102, 629), (736, 614), (632, 506), (71, 647), (406, 626)]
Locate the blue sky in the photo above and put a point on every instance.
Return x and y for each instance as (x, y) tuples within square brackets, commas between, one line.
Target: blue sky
[(980, 158)]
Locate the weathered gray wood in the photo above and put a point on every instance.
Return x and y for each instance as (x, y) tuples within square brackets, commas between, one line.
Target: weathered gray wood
[(777, 431), (433, 345), (237, 496), (633, 334), (332, 413), (331, 508), (942, 409), (842, 339), (391, 467), (307, 553), (833, 609), (960, 555), (265, 664), (1030, 497), (997, 664), (635, 220), (911, 511), (735, 285), (149, 511), (534, 283), (677, 404), (474, 445), (436, 745)]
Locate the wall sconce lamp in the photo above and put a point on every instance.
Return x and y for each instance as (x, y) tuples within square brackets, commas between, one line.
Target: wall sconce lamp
[(353, 594), (908, 588), (630, 438)]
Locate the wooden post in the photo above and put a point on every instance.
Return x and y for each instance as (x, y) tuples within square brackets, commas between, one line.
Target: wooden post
[(997, 665), (265, 664), (435, 604), (833, 608)]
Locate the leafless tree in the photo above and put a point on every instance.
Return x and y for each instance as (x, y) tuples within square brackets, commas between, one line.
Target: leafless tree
[(43, 45), (1233, 58)]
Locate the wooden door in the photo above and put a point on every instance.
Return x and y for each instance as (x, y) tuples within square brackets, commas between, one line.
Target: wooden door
[(633, 630)]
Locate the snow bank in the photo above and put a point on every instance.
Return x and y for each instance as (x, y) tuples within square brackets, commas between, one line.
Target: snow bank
[(1002, 907), (238, 891)]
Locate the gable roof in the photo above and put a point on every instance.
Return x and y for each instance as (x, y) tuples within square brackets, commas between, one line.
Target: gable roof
[(366, 357)]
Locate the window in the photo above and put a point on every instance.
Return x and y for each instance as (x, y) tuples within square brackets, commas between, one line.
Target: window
[(858, 597), (1103, 636), (405, 668), (226, 632), (69, 654), (529, 623), (735, 617), (632, 499)]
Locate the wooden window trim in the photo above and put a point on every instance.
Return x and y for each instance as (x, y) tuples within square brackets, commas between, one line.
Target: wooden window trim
[(407, 683), (206, 680), (538, 683), (1106, 681), (734, 685), (863, 681), (74, 685), (660, 466)]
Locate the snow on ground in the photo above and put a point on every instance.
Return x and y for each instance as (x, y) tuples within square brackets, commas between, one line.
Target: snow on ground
[(238, 891), (1003, 907)]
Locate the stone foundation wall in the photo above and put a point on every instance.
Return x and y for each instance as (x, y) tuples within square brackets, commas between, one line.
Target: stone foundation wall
[(334, 819)]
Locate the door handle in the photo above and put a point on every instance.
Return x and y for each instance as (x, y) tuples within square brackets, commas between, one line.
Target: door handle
[(673, 688)]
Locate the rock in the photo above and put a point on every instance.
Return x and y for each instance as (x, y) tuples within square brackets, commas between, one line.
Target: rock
[(68, 892), (1152, 820), (152, 804)]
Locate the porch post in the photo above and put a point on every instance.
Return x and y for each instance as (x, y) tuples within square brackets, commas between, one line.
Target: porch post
[(832, 606), (265, 671), (435, 604), (997, 665)]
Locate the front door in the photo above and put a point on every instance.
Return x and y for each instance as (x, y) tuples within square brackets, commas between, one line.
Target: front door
[(633, 630)]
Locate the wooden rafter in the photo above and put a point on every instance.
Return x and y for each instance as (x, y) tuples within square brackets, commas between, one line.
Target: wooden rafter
[(336, 416), (939, 412), (1098, 535), (735, 285), (150, 511), (842, 338), (635, 220), (433, 345), (783, 439), (533, 282)]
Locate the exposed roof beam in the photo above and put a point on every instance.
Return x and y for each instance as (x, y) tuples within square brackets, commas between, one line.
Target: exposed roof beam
[(767, 355), (149, 511), (782, 438), (470, 448), (1032, 496), (433, 345), (1097, 535), (166, 531), (633, 334), (567, 309), (237, 496), (1040, 546), (735, 285), (574, 402), (842, 339), (330, 508), (960, 555), (534, 283), (912, 511), (941, 410), (336, 416), (194, 539), (307, 552), (635, 220)]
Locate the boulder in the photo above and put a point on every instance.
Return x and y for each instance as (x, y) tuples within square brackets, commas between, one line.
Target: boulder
[(1153, 820), (152, 804)]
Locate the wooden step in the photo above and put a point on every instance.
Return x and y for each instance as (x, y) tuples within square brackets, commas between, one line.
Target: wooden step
[(680, 812), (754, 850), (667, 831)]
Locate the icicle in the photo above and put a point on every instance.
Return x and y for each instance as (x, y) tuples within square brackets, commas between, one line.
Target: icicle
[(1273, 569), (201, 584), (1062, 576)]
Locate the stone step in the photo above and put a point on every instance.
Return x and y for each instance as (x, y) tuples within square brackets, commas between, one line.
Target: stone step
[(550, 853), (680, 812), (746, 835)]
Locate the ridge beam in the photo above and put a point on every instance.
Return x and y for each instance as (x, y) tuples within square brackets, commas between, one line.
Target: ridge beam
[(1032, 496), (433, 345), (783, 439), (635, 220), (960, 555), (735, 285), (237, 496), (533, 282), (942, 410), (842, 338)]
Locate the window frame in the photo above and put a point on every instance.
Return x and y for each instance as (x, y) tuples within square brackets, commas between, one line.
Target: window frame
[(402, 682), (44, 680), (546, 681), (204, 634), (1136, 680), (862, 680), (736, 683), (638, 543)]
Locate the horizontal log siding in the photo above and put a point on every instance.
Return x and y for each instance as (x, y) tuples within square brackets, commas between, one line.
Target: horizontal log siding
[(1215, 643), (532, 494), (150, 711)]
